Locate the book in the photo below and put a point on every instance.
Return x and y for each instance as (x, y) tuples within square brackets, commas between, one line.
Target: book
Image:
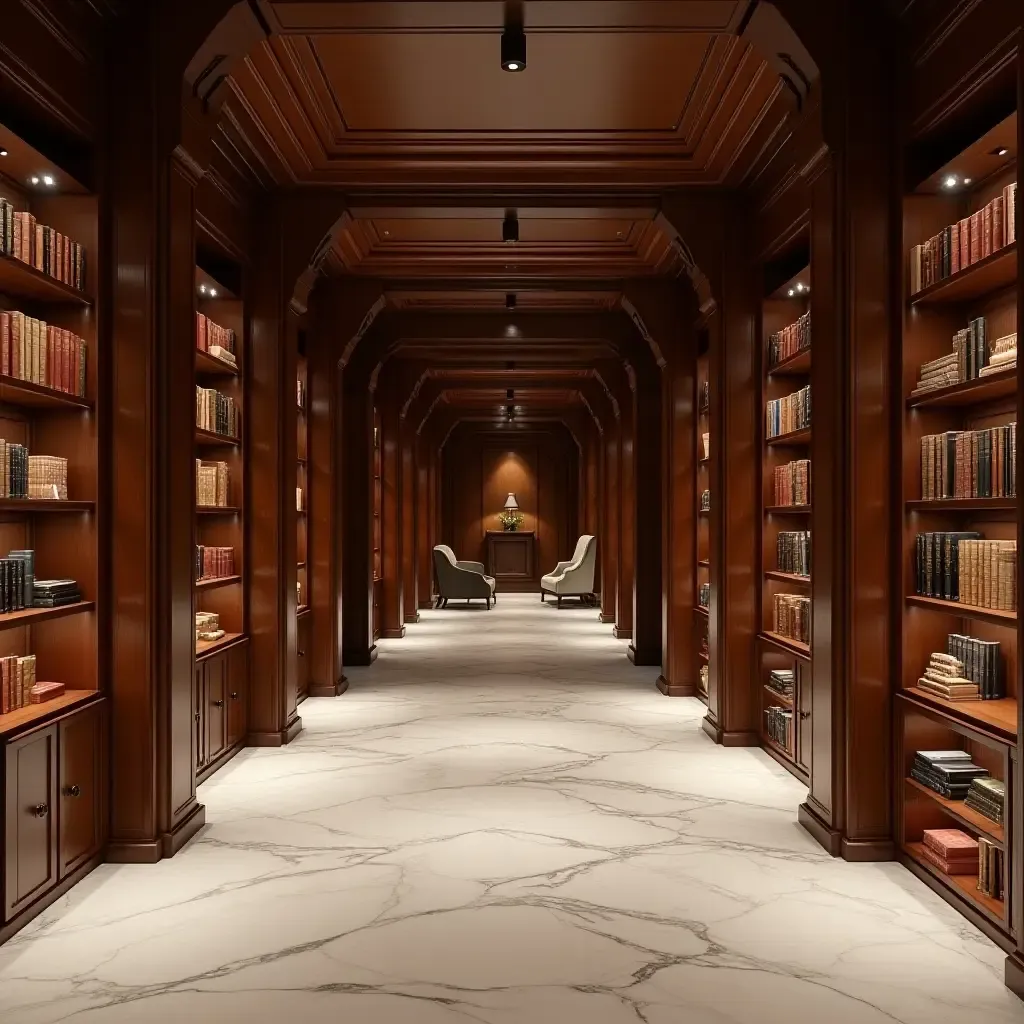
[(792, 483), (789, 341), (793, 552), (33, 350), (214, 562), (988, 797), (217, 413), (784, 415), (791, 617)]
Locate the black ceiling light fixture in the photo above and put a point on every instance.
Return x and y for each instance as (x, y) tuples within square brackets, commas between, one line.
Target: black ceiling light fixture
[(513, 38), (510, 300), (510, 227)]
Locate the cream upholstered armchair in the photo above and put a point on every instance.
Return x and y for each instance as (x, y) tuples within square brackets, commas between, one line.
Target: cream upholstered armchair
[(460, 579), (574, 578)]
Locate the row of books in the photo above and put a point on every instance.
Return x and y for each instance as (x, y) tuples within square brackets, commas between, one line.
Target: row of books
[(960, 245), (42, 353), (218, 341), (784, 415), (793, 552), (41, 246), (212, 483), (217, 413), (790, 340), (793, 483), (705, 500), (947, 676), (778, 724), (17, 677), (704, 403), (970, 463), (960, 566), (953, 775), (214, 562), (782, 681), (991, 869), (31, 476), (704, 595), (791, 617)]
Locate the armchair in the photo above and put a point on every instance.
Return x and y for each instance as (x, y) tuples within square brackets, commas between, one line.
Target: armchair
[(463, 579), (574, 578)]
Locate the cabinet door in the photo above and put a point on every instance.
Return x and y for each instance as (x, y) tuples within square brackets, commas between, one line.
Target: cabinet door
[(81, 788), (238, 694), (302, 651), (215, 671), (802, 723), (30, 851), (199, 704)]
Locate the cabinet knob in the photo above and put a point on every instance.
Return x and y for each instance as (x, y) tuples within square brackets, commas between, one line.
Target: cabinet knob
[(234, 695), (197, 716), (75, 791), (41, 810), (218, 703), (805, 714), (302, 654)]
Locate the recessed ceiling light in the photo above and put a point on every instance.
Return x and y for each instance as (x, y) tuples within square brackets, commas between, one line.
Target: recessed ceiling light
[(202, 288), (510, 227), (967, 181), (34, 179), (213, 293), (1001, 151), (3, 152), (792, 292), (513, 39), (510, 301), (951, 181), (49, 180)]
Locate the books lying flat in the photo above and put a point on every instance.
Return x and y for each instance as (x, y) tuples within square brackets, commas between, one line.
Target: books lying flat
[(988, 797), (949, 776), (950, 850), (55, 593)]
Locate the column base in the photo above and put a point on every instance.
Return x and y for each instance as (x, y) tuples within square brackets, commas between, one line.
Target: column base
[(363, 656), (393, 633), (622, 633), (275, 739), (150, 851), (828, 838), (606, 617), (676, 689), (739, 738), (710, 725), (331, 690), (643, 658), (414, 617), (1013, 974)]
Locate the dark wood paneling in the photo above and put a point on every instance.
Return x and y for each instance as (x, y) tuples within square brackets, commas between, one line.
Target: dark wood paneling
[(82, 782)]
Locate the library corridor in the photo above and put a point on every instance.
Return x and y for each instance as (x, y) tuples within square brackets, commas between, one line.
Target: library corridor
[(505, 831)]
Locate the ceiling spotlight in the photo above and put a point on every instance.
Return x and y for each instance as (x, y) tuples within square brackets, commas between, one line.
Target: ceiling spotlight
[(34, 179), (49, 180), (791, 292), (510, 227), (1002, 151), (3, 152), (967, 181), (202, 289), (510, 301), (951, 181), (800, 287), (213, 293), (513, 39)]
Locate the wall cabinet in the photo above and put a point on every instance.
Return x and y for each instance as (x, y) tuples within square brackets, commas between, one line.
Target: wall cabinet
[(54, 801), (221, 707)]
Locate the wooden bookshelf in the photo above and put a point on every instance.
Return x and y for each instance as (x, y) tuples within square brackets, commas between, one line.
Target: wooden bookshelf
[(221, 666), (378, 498), (786, 300), (987, 729), (302, 523), (702, 532)]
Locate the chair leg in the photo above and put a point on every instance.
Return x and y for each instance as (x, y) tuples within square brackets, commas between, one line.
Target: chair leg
[(559, 600), (542, 597), (437, 601), (445, 604), (488, 600)]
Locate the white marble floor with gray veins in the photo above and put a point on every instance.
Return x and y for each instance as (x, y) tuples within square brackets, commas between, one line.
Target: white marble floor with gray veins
[(504, 822)]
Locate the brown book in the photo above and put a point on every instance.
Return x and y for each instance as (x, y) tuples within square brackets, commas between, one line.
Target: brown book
[(5, 343), (39, 250), (965, 242), (998, 224), (42, 692), (975, 237), (1010, 213)]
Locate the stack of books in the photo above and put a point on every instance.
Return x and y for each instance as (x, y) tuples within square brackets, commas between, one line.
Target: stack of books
[(938, 373), (784, 415), (218, 341), (55, 593), (988, 797), (214, 562), (964, 243), (953, 852), (959, 566), (783, 681), (791, 617), (793, 483), (208, 626), (779, 726), (970, 463), (217, 413), (41, 246), (41, 353), (704, 596), (300, 395), (946, 772), (991, 869), (705, 500), (212, 479), (793, 552), (17, 677), (944, 676), (48, 477), (1003, 357), (790, 340)]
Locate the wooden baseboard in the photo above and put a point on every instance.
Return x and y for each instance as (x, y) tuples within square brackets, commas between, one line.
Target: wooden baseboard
[(606, 617), (331, 690), (147, 851), (414, 618), (645, 659), (739, 738), (1013, 974), (710, 725), (215, 766), (676, 689), (828, 837), (622, 634), (867, 851), (48, 898), (427, 604), (171, 842), (393, 633), (275, 739)]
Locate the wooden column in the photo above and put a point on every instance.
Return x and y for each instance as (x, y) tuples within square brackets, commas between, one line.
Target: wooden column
[(424, 520), (393, 580), (623, 629), (272, 432), (410, 562), (610, 537)]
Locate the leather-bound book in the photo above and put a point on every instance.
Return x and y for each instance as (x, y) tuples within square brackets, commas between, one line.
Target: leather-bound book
[(42, 692), (975, 237)]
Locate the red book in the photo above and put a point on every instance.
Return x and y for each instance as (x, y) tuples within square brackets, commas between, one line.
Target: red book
[(975, 237), (42, 692), (965, 242), (67, 261), (17, 326), (954, 248), (65, 369), (73, 367), (5, 687), (986, 231), (39, 251), (948, 842), (998, 223), (5, 343)]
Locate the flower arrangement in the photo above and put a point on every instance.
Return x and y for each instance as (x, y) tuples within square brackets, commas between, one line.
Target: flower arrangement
[(511, 519)]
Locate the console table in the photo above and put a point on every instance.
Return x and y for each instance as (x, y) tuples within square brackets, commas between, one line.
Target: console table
[(510, 559)]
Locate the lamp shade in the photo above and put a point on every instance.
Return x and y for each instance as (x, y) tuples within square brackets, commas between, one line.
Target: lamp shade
[(510, 501)]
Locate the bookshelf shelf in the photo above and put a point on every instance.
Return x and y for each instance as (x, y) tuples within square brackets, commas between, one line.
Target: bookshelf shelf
[(785, 644), (24, 281), (962, 505), (218, 510), (207, 648), (701, 610), (16, 721), (703, 657), (15, 391), (777, 697), (787, 510), (961, 813), (964, 611), (210, 366), (704, 562), (303, 609), (988, 275), (704, 512), (995, 718), (788, 577), (965, 886), (796, 365), (970, 392), (795, 438), (208, 439), (40, 505), (29, 616), (213, 582)]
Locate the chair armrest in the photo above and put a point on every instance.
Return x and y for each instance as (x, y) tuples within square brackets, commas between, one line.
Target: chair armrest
[(560, 568), (472, 566)]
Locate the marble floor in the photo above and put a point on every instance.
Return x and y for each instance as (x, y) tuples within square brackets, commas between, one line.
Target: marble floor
[(503, 821)]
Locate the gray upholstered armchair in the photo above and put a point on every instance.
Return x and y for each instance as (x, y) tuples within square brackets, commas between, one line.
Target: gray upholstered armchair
[(460, 579), (574, 578)]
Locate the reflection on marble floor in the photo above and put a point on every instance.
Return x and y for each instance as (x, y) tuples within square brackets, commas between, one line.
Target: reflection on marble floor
[(503, 821)]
